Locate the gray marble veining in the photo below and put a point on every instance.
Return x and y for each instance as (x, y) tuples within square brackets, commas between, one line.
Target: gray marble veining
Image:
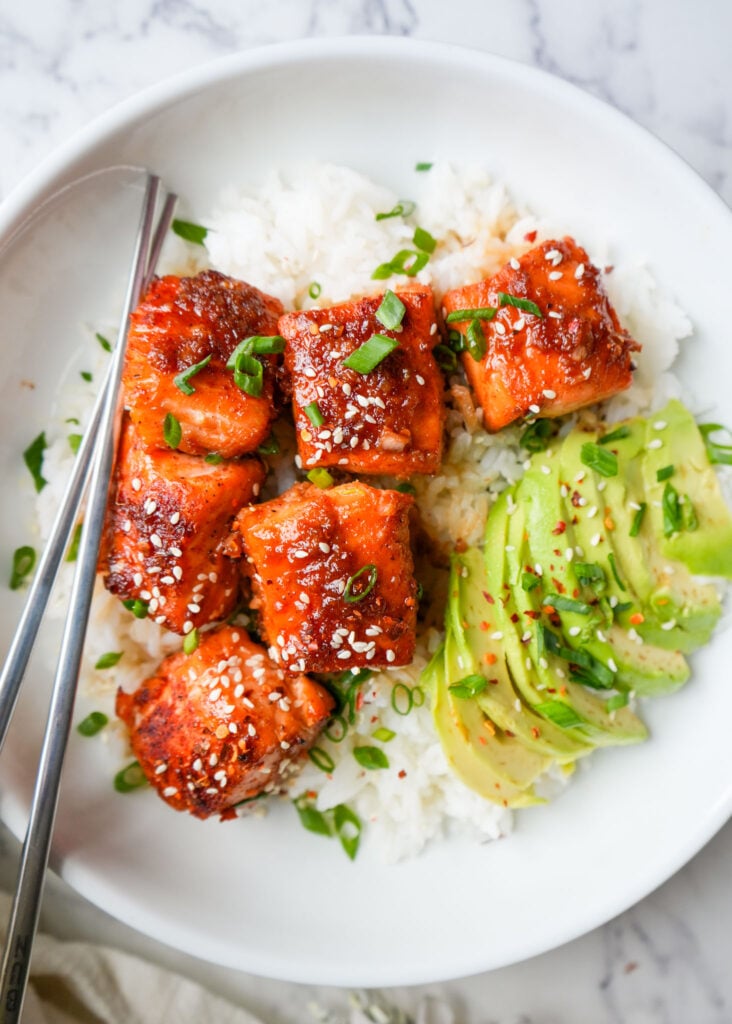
[(665, 63)]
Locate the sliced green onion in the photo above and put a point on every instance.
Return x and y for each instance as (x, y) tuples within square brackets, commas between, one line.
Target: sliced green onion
[(664, 474), (560, 713), (172, 432), (103, 342), (189, 231), (351, 596), (321, 478), (73, 552), (718, 454), (404, 208), (190, 642), (138, 608), (615, 435), (348, 829), (313, 413), (597, 458), (92, 724), (339, 735), (567, 604), (505, 299), (637, 520), (267, 344), (406, 488), (269, 447), (423, 166), (391, 311), (459, 316), (446, 358), (24, 561), (455, 340), (590, 574), (214, 459), (402, 698), (475, 340), (537, 436), (367, 357), (85, 375), (74, 442), (406, 261), (691, 522), (383, 735), (620, 700), (470, 686), (314, 290), (371, 757), (72, 419), (129, 778), (613, 566), (321, 759), (249, 375), (108, 660), (182, 379), (417, 696), (310, 818), (529, 581), (423, 240), (672, 516), (33, 458), (597, 674)]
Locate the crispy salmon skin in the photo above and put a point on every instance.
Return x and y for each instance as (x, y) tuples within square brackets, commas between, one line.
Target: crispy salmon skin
[(387, 420), (167, 520), (222, 724), (181, 322), (572, 354), (332, 576)]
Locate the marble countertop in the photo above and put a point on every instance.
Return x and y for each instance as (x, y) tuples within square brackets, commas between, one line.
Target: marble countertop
[(664, 62)]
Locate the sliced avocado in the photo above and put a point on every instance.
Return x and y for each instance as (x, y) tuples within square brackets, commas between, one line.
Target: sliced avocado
[(549, 494), (475, 623), (547, 677), (494, 765), (679, 613), (686, 512)]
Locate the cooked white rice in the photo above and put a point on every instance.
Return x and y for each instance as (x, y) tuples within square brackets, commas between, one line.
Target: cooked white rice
[(317, 223)]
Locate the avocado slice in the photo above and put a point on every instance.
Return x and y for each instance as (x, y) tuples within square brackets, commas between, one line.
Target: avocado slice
[(587, 623), (475, 624), (686, 512), (679, 613), (550, 679), (497, 766)]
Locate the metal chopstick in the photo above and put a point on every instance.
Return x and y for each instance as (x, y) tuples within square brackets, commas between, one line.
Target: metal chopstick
[(11, 675), (34, 858)]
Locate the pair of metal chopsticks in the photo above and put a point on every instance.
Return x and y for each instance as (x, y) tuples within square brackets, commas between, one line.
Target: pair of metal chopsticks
[(92, 473)]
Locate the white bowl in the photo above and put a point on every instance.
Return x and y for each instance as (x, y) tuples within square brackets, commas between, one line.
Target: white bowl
[(266, 896)]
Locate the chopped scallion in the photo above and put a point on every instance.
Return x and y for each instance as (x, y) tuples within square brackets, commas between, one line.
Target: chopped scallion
[(505, 299), (718, 454), (103, 342), (402, 698), (213, 458), (470, 686), (190, 642), (310, 818), (672, 515), (269, 447), (566, 604), (73, 552), (172, 431), (529, 581), (24, 561), (92, 724), (33, 458), (74, 442), (637, 520), (616, 574), (423, 166), (475, 340), (446, 358), (85, 375), (314, 290), (404, 208), (620, 700), (664, 474), (615, 435), (313, 413), (189, 231), (138, 608), (537, 436), (383, 735), (108, 660), (459, 316), (423, 240), (371, 757), (182, 379), (391, 311), (602, 461), (348, 829), (355, 589), (321, 478), (559, 713), (321, 759), (129, 778), (367, 357)]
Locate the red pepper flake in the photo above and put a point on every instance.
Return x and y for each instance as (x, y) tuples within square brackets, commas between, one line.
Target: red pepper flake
[(359, 701), (576, 593), (507, 732), (374, 718), (402, 774), (515, 618), (609, 268), (530, 236), (311, 794), (550, 609), (559, 528), (535, 732), (576, 499), (485, 626), (490, 658), (636, 618), (563, 691), (560, 587), (488, 597), (493, 682), (461, 545), (532, 614)]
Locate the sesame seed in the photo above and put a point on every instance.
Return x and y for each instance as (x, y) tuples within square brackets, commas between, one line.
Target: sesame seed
[(592, 512), (514, 263), (546, 470), (556, 275), (668, 625), (194, 609), (127, 526), (284, 745), (660, 425), (187, 626), (595, 540), (574, 630), (175, 519), (145, 595), (579, 271), (300, 554), (498, 635), (390, 656), (655, 443), (519, 324), (569, 554), (161, 769), (310, 372), (170, 791), (137, 579), (167, 580), (551, 254), (343, 655), (419, 378), (548, 393), (554, 315), (155, 540), (433, 329), (177, 572), (535, 409), (251, 730), (136, 483), (611, 665)]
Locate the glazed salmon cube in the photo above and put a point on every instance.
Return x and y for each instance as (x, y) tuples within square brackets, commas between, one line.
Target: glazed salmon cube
[(572, 354), (388, 420), (182, 322), (332, 576), (222, 724), (167, 521)]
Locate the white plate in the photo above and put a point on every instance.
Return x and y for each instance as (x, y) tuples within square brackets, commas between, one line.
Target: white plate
[(266, 896)]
